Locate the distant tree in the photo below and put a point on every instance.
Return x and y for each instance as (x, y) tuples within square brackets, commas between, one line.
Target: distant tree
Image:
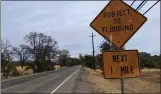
[(63, 56), (6, 54), (156, 61), (107, 46), (88, 61), (72, 61), (99, 61), (145, 54), (81, 59), (145, 60)]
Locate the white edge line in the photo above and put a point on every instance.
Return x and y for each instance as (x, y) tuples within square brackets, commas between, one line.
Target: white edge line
[(64, 81)]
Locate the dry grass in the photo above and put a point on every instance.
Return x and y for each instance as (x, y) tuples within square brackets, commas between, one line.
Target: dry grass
[(23, 71), (57, 67), (30, 71), (149, 82), (150, 70)]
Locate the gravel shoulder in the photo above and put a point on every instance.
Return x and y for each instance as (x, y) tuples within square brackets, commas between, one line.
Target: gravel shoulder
[(81, 83)]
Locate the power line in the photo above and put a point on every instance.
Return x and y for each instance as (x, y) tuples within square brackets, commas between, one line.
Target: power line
[(140, 5), (96, 52), (151, 7), (97, 49), (100, 44), (143, 5), (132, 2)]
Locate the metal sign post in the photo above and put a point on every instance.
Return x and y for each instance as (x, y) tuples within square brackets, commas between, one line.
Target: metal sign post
[(121, 80), (122, 85)]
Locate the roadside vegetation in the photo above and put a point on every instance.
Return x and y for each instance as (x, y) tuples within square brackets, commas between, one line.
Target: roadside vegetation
[(146, 60), (39, 53)]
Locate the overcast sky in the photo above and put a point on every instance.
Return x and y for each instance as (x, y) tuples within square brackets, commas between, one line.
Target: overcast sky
[(68, 23)]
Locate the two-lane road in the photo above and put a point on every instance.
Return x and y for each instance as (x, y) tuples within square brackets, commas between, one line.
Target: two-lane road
[(57, 82)]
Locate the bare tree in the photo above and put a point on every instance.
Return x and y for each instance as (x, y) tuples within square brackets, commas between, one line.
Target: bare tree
[(21, 53), (42, 49)]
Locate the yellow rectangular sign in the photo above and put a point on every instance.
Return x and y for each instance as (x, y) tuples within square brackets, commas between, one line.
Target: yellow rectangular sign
[(121, 64)]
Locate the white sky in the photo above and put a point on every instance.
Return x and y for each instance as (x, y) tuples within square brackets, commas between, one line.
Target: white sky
[(68, 22)]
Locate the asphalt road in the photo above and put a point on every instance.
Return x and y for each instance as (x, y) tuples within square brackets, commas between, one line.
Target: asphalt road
[(56, 82)]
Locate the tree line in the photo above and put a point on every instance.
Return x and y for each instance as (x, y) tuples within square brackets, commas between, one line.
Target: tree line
[(146, 60), (39, 49)]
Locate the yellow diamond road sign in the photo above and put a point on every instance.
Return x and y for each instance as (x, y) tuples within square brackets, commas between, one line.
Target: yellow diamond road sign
[(118, 22)]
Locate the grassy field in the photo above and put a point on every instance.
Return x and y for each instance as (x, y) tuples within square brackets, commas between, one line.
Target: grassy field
[(149, 82)]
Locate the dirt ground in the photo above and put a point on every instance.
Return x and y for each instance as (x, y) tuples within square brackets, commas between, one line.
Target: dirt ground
[(149, 82)]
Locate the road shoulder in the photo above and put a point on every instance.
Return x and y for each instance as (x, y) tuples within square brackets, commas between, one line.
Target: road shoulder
[(81, 83)]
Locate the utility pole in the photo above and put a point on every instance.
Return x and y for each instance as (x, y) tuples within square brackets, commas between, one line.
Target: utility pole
[(94, 65)]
